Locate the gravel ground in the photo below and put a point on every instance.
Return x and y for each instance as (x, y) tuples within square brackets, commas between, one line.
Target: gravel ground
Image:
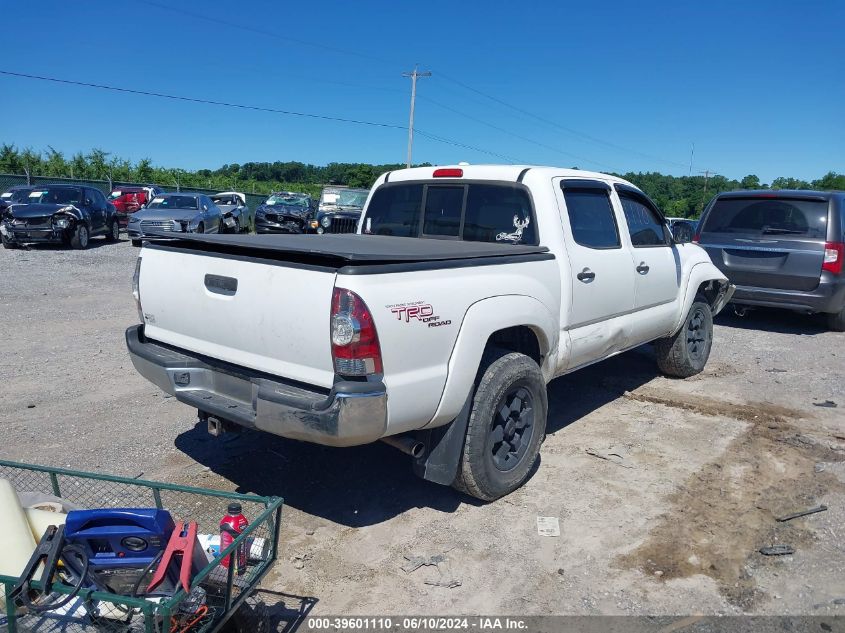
[(711, 461)]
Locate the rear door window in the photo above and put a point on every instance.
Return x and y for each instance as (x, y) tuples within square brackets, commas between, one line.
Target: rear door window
[(768, 216), (591, 218)]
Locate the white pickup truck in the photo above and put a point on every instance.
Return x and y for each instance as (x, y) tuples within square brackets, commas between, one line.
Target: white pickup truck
[(437, 327)]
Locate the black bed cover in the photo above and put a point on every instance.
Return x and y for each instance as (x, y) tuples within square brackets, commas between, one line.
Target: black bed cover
[(347, 248)]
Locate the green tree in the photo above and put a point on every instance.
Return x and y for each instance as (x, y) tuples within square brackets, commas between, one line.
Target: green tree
[(750, 182)]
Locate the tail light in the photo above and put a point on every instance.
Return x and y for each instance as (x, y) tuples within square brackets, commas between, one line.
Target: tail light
[(448, 172), (355, 347), (834, 253), (136, 289), (696, 238)]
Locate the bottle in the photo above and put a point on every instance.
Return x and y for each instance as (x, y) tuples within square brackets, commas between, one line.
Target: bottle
[(230, 526)]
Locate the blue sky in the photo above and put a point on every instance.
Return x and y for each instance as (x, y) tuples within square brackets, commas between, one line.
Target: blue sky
[(758, 87)]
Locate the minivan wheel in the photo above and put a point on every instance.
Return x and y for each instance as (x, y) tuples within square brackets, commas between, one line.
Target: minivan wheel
[(836, 321), (506, 426), (685, 354), (79, 239)]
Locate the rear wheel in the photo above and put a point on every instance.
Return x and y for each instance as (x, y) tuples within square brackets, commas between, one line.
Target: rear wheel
[(836, 321), (114, 232), (685, 354), (506, 426), (79, 239)]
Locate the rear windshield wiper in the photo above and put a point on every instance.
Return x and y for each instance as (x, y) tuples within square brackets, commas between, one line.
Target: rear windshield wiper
[(772, 229)]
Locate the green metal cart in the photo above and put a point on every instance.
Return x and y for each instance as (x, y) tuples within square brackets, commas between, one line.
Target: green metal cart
[(224, 590)]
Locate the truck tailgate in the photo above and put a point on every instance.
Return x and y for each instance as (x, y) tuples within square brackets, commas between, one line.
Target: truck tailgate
[(270, 316)]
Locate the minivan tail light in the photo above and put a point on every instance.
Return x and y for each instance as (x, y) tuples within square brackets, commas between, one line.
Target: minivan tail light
[(834, 253), (696, 238), (448, 173), (355, 345)]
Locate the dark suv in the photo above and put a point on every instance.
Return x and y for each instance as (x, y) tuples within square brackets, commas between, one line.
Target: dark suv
[(781, 249)]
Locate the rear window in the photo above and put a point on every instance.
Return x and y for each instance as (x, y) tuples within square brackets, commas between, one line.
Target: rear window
[(473, 212), (768, 216), (174, 202)]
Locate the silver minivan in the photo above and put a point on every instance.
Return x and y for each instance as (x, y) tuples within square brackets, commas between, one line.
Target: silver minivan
[(781, 249)]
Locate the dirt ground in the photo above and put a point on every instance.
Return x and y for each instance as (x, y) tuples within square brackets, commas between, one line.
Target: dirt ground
[(710, 463)]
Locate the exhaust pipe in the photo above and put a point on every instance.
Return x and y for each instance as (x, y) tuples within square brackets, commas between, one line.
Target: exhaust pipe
[(406, 444)]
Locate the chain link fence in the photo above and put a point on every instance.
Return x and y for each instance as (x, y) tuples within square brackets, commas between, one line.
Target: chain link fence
[(106, 186)]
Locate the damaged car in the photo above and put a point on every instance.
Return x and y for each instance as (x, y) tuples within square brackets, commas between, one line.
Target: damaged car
[(284, 212), (339, 211), (236, 216), (14, 195), (60, 214), (175, 213)]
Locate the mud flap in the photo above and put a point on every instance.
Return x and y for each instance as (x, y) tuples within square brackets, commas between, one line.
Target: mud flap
[(444, 447)]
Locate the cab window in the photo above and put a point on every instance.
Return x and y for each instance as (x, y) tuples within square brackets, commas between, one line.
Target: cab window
[(644, 224)]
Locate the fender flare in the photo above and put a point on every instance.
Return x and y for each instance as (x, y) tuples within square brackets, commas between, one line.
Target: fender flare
[(480, 321), (700, 273)]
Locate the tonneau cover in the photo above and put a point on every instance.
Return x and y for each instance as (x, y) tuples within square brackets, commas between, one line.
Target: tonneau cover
[(351, 248)]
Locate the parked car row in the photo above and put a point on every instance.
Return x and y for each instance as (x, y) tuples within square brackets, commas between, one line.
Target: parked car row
[(781, 249)]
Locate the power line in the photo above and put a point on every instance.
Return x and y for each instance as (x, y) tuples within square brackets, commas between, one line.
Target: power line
[(514, 134), (555, 124), (242, 106), (227, 104), (457, 82)]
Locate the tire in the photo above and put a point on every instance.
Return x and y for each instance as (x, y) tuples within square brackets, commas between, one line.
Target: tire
[(836, 321), (80, 238), (114, 232), (510, 382), (7, 243), (201, 228), (685, 354), (136, 243)]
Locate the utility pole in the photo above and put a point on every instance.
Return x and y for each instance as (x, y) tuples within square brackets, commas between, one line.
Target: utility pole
[(706, 173), (413, 75)]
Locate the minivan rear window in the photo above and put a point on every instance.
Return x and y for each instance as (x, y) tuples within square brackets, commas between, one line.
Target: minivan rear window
[(474, 212), (768, 216)]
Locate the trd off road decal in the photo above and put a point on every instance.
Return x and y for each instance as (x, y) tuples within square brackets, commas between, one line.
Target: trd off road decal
[(419, 311)]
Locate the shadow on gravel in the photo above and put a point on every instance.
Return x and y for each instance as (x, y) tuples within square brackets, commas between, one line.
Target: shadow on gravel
[(93, 243), (366, 485), (268, 611), (573, 396), (773, 320)]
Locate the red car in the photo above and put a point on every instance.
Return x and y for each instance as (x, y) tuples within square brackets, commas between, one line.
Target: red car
[(130, 199)]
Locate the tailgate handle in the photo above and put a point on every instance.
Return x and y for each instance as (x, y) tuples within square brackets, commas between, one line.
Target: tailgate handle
[(221, 285)]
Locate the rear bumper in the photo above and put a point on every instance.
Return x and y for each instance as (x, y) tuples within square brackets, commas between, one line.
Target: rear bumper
[(351, 413), (828, 297)]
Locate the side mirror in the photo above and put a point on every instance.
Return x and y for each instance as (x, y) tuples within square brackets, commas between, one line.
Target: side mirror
[(205, 207), (682, 233), (88, 202)]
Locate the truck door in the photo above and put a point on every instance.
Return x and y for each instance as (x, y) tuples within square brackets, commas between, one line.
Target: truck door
[(601, 276), (657, 267)]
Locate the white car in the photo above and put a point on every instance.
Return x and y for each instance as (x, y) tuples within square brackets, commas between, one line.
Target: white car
[(438, 326)]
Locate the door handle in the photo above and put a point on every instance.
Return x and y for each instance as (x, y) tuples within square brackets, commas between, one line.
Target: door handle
[(586, 275), (643, 268)]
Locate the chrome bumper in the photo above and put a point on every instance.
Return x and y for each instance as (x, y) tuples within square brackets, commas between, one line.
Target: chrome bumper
[(351, 413)]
